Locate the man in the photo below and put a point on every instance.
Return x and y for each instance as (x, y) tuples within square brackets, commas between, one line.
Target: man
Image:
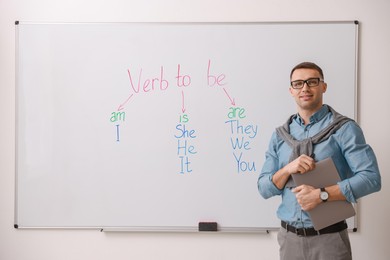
[(342, 140)]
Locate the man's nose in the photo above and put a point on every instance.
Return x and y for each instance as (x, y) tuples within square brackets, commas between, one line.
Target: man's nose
[(305, 86)]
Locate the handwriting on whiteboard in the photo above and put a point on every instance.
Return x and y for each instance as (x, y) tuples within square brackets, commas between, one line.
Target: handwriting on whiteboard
[(241, 134)]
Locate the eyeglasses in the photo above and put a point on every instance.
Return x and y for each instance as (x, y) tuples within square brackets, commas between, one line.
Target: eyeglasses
[(312, 82)]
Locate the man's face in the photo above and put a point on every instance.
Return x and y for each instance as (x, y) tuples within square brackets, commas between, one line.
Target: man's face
[(308, 98)]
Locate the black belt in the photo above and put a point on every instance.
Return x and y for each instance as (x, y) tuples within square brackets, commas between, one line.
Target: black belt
[(312, 232)]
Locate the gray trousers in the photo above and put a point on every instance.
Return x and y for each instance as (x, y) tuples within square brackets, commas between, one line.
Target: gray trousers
[(335, 246)]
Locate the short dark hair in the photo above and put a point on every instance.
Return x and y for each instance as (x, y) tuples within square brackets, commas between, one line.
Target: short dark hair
[(308, 65)]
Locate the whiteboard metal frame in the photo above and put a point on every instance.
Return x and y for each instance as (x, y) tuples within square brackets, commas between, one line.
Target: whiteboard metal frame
[(184, 229)]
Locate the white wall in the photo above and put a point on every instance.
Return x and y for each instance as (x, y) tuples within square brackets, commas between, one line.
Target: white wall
[(374, 108)]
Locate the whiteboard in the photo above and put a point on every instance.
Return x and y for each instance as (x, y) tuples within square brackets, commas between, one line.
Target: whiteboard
[(161, 126)]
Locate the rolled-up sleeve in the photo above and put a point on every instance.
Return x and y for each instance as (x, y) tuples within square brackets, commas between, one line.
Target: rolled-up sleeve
[(362, 162), (265, 184)]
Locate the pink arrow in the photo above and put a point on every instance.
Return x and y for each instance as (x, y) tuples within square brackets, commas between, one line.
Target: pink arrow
[(122, 106), (231, 100), (183, 109)]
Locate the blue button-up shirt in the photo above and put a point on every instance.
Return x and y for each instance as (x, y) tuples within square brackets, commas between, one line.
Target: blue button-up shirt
[(354, 160)]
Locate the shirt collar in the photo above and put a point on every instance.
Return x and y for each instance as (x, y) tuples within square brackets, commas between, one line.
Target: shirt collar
[(317, 116)]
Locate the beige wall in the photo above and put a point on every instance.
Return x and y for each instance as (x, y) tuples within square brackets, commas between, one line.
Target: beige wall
[(374, 110)]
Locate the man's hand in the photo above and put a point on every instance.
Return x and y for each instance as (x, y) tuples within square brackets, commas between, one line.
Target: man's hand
[(307, 196), (302, 164)]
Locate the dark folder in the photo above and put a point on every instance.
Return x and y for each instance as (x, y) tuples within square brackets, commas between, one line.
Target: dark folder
[(325, 174)]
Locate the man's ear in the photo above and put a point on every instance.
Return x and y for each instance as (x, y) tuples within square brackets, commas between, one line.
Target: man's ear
[(324, 87), (291, 91)]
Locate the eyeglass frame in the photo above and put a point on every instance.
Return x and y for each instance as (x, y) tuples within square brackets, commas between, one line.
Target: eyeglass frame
[(307, 82)]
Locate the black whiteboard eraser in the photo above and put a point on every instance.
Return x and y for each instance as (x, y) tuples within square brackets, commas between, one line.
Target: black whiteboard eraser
[(208, 226)]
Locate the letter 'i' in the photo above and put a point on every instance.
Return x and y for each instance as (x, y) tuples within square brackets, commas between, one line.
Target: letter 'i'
[(117, 133)]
